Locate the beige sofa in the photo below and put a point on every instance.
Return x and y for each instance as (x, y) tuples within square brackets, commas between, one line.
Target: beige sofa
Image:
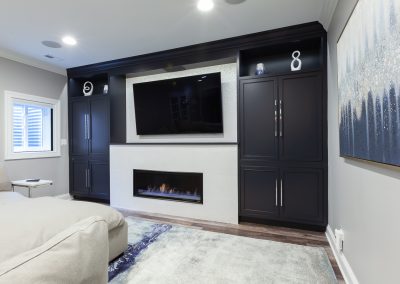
[(78, 254), (50, 226)]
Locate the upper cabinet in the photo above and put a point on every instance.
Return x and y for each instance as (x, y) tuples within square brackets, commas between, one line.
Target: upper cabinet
[(259, 119), (301, 117), (89, 128), (281, 118)]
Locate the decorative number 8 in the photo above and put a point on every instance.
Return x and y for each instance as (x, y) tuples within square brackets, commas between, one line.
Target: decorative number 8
[(296, 62)]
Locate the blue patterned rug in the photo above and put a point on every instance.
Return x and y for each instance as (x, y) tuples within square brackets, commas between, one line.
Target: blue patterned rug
[(172, 254), (125, 261)]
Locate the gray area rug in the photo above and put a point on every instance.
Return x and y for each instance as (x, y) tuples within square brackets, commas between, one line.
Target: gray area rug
[(171, 254)]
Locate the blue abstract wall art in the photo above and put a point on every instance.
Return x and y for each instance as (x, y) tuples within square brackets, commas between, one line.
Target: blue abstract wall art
[(369, 82)]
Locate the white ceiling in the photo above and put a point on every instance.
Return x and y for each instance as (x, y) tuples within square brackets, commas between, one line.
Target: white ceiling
[(108, 30)]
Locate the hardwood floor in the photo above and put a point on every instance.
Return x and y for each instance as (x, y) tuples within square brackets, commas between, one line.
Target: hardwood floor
[(273, 233)]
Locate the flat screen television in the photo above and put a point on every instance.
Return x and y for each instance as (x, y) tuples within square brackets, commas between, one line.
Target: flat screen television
[(179, 106)]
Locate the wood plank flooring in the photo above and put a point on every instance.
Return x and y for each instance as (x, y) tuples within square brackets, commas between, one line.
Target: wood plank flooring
[(273, 233)]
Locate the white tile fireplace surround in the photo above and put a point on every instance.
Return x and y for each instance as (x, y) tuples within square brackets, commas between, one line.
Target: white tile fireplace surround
[(218, 163)]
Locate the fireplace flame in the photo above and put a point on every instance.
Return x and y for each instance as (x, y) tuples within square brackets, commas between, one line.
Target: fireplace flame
[(164, 187)]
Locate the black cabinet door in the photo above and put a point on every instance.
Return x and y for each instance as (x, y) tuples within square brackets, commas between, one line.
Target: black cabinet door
[(79, 116), (99, 130), (258, 124), (302, 195), (99, 179), (259, 192), (79, 176), (301, 125)]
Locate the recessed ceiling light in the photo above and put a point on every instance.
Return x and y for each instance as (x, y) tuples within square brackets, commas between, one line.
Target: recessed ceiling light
[(69, 40), (205, 5)]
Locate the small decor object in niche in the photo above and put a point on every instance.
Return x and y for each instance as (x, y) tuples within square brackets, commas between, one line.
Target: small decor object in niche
[(105, 89), (260, 69), (87, 88), (296, 62)]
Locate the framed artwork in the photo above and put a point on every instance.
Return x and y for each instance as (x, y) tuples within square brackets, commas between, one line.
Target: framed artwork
[(368, 54)]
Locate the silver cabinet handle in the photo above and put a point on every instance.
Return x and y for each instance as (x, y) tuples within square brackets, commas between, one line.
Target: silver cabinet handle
[(89, 178), (281, 193), (89, 126), (86, 128), (280, 119), (276, 192), (276, 118), (86, 179)]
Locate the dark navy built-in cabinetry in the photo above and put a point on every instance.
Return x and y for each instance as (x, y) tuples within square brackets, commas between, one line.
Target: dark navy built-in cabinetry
[(282, 131), (90, 134), (282, 120)]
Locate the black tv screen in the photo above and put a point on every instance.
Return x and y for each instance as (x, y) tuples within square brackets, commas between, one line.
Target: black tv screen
[(179, 106)]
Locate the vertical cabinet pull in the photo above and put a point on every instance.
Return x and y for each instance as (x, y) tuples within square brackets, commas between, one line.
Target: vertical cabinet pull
[(86, 177), (89, 126), (86, 132), (276, 192), (280, 119), (89, 178), (281, 193), (276, 118)]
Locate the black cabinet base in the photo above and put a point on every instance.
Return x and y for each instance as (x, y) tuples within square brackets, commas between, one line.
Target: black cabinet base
[(91, 199), (317, 228)]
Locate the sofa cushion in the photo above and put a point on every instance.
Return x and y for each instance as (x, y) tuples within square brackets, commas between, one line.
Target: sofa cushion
[(31, 222), (78, 254)]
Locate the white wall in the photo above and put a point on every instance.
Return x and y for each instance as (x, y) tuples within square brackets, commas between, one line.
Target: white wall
[(26, 79), (229, 106), (363, 197), (220, 180)]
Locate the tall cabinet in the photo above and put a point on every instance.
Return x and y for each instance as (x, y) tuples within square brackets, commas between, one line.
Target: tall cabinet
[(90, 134), (282, 131)]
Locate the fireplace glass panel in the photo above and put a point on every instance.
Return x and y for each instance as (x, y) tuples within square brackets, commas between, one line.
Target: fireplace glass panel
[(181, 186)]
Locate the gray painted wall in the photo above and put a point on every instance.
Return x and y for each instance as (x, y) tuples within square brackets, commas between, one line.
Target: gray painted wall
[(363, 197), (26, 79)]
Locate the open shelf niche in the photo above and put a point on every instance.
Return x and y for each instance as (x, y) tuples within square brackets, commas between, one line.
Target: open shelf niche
[(277, 58)]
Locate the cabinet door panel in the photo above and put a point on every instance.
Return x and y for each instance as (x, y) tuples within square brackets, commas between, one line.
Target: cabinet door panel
[(258, 127), (99, 179), (99, 125), (302, 191), (79, 181), (259, 192), (79, 131), (301, 97)]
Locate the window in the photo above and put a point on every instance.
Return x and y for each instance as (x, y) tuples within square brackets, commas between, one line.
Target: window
[(31, 126)]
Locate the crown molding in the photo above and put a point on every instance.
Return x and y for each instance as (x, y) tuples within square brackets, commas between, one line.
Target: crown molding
[(327, 11), (11, 55)]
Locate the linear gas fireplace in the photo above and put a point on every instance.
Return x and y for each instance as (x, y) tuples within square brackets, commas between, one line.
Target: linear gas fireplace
[(180, 186)]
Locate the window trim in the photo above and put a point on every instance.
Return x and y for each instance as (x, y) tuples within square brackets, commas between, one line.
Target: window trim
[(9, 97)]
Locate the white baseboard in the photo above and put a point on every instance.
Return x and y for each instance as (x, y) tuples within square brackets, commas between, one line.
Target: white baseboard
[(344, 265)]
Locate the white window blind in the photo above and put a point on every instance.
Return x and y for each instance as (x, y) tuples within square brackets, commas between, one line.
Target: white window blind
[(32, 129)]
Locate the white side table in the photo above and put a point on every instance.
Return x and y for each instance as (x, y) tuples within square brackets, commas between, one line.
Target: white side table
[(30, 184)]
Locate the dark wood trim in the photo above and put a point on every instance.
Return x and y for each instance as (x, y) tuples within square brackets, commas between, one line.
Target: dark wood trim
[(200, 52), (316, 228), (177, 143)]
